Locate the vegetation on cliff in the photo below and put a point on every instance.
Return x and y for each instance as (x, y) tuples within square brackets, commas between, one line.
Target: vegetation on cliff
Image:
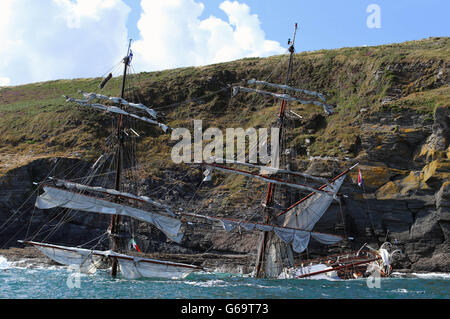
[(366, 83), (392, 116)]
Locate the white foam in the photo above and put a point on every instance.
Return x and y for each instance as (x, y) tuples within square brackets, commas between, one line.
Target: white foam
[(400, 290), (324, 277), (30, 263), (430, 275), (4, 264), (439, 275), (406, 291), (209, 283)]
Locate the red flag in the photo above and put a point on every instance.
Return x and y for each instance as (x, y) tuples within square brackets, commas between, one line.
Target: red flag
[(360, 178)]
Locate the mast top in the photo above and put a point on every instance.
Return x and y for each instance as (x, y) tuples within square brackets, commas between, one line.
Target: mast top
[(129, 46), (127, 59), (291, 48)]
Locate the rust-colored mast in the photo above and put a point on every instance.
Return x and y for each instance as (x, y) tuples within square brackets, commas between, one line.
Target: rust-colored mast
[(259, 272), (320, 188)]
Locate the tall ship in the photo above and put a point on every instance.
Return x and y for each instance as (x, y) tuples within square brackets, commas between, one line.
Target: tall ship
[(118, 202), (288, 216)]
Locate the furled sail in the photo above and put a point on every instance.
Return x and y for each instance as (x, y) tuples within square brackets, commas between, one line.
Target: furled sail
[(55, 197), (131, 267), (87, 260), (134, 267), (81, 187), (118, 100), (328, 108), (307, 213), (118, 110), (299, 238), (269, 170), (287, 87), (269, 179)]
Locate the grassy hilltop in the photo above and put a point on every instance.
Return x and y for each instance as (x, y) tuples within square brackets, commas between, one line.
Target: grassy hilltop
[(364, 82)]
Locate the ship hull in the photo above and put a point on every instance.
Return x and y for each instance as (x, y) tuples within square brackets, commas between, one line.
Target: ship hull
[(339, 267), (131, 267)]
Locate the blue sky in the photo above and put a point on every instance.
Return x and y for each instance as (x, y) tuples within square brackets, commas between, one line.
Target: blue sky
[(328, 24), (62, 39)]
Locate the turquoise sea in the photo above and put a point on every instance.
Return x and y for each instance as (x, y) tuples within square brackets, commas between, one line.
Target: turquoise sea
[(59, 283)]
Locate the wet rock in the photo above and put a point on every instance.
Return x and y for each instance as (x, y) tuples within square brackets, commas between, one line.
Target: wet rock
[(426, 227), (438, 262), (443, 196)]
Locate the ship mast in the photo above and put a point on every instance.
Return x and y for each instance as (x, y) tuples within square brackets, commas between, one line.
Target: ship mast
[(115, 219), (259, 271)]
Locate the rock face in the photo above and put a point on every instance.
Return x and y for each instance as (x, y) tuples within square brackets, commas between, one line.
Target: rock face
[(385, 124), (409, 204), (19, 219), (410, 208)]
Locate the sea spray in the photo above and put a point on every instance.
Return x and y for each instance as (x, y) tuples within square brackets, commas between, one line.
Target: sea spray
[(4, 264)]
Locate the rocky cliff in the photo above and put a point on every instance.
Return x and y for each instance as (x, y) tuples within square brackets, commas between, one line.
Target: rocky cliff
[(392, 118)]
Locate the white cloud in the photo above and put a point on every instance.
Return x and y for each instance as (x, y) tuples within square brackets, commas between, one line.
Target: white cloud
[(4, 81), (51, 39), (173, 35), (54, 39)]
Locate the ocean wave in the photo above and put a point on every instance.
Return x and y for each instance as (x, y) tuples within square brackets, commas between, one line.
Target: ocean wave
[(323, 277), (31, 263), (400, 290), (406, 291), (430, 275), (208, 283)]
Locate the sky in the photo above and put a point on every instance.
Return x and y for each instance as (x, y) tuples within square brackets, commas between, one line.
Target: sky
[(63, 39)]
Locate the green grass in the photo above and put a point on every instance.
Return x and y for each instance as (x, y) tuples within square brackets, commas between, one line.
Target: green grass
[(35, 118)]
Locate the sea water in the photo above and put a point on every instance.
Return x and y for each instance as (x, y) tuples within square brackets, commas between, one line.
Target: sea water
[(58, 282)]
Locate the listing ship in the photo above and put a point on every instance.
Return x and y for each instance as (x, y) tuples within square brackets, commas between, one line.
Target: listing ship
[(121, 205), (288, 221)]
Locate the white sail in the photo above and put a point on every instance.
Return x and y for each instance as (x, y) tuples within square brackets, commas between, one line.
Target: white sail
[(306, 214), (55, 197), (81, 187), (87, 260), (287, 87), (131, 267), (328, 108), (298, 238)]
